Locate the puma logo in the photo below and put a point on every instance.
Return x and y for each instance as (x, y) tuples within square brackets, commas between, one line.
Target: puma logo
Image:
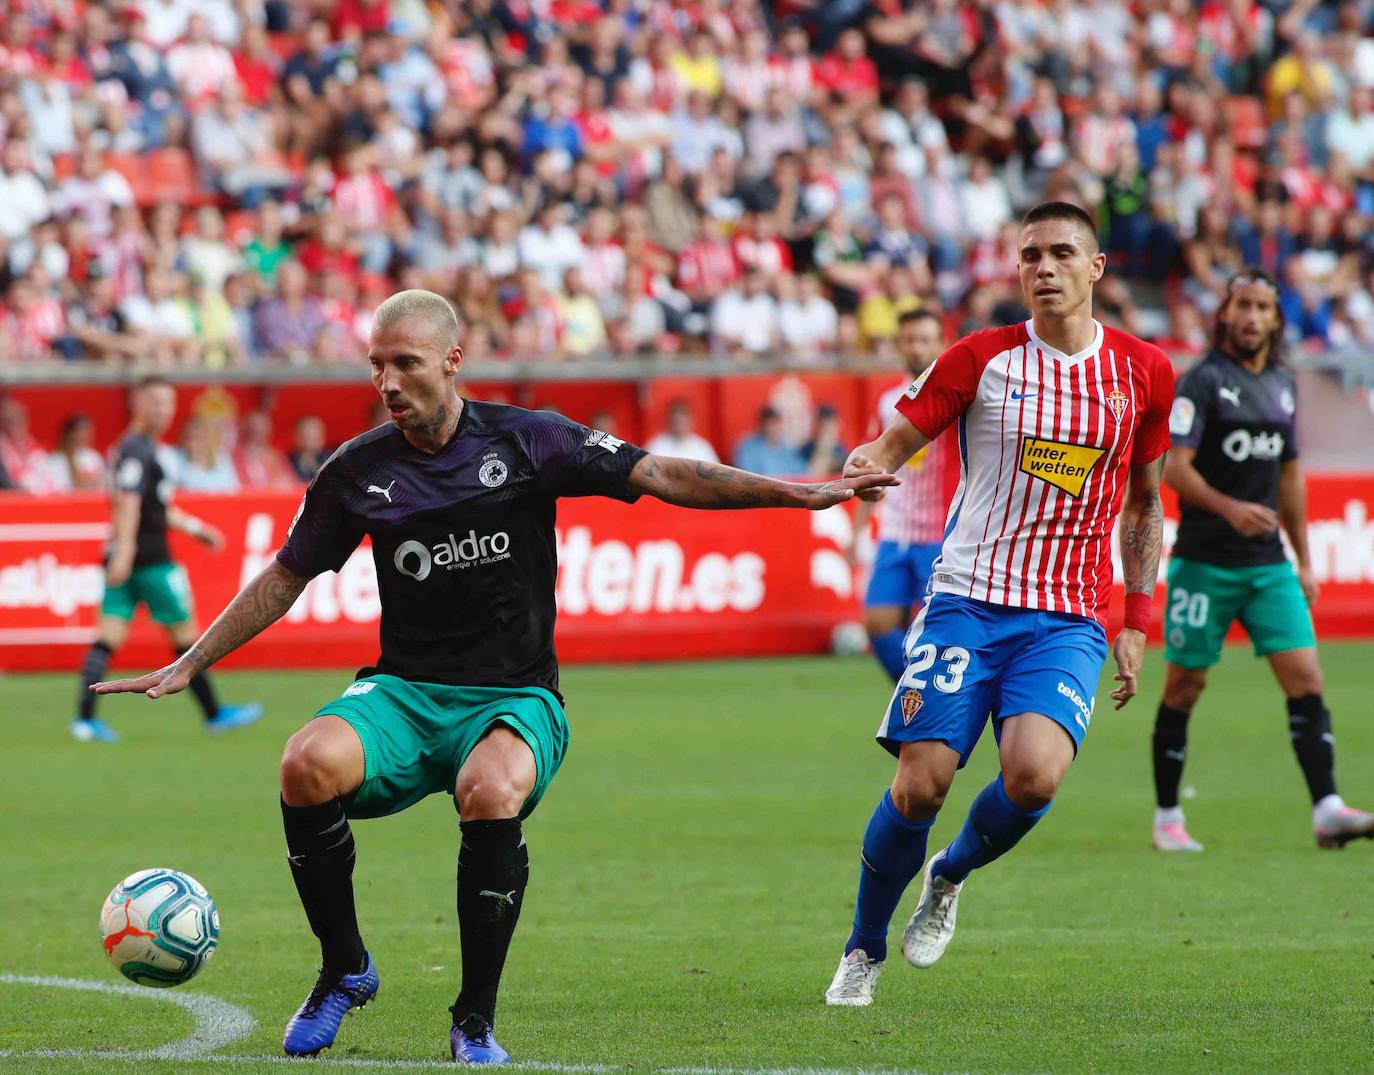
[(1230, 395), (384, 492), (504, 897), (130, 930)]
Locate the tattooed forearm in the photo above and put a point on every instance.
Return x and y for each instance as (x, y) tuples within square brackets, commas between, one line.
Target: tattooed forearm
[(266, 599), (692, 484), (1142, 534)]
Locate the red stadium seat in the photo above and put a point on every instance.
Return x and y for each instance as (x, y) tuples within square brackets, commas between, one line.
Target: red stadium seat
[(63, 166), (130, 166), (172, 178)]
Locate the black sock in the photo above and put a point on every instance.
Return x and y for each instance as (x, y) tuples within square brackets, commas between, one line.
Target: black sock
[(203, 690), (1309, 725), (1170, 748), (321, 852), (92, 671), (493, 870)]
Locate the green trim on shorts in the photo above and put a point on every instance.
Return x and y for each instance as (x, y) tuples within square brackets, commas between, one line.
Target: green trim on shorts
[(163, 587), (1205, 599), (416, 736)]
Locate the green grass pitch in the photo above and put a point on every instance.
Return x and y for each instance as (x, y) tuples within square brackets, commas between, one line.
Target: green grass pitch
[(692, 883)]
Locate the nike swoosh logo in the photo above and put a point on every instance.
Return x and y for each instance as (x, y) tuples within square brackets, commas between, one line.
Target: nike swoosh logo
[(1024, 395)]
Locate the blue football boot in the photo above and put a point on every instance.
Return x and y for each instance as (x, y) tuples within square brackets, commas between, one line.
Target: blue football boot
[(316, 1022), (472, 1043), (93, 731), (233, 716)]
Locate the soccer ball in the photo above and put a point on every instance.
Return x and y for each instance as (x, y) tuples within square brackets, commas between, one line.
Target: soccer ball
[(159, 927)]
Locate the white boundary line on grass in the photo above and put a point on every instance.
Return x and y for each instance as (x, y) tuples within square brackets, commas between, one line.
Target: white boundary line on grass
[(219, 1023)]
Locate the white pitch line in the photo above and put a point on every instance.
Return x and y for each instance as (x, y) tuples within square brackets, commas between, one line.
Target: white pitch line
[(218, 1023), (439, 1065)]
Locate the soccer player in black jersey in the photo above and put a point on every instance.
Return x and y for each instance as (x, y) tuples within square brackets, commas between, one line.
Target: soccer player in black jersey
[(458, 497), (139, 567), (1234, 463)]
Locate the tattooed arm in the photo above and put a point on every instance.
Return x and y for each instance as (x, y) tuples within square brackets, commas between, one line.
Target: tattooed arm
[(1142, 528), (691, 484), (1142, 538), (265, 599)]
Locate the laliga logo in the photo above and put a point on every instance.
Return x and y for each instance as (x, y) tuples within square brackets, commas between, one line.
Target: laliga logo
[(416, 560)]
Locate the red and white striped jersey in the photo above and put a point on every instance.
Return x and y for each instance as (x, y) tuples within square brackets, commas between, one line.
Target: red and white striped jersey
[(1046, 443), (914, 512)]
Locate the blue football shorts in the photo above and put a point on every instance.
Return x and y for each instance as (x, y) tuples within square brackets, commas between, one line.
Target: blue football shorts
[(968, 661), (900, 574)]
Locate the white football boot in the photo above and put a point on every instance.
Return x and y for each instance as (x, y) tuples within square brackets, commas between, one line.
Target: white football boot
[(1334, 824), (855, 980), (1170, 833), (932, 926)]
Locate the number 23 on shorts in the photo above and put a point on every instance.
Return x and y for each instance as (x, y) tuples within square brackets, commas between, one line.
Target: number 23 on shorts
[(949, 677)]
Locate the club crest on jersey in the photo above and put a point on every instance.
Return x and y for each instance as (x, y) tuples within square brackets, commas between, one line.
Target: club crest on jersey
[(911, 705), (493, 472), (1117, 400), (1065, 466)]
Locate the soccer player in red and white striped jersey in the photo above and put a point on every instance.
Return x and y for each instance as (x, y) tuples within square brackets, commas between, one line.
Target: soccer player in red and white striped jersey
[(1062, 427)]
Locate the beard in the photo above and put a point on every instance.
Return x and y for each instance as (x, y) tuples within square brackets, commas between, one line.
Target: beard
[(1242, 350)]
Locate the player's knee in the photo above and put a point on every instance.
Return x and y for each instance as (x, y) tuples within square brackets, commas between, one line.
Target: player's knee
[(486, 793), (1182, 690), (1303, 682), (1030, 788), (918, 797), (313, 769), (882, 619)]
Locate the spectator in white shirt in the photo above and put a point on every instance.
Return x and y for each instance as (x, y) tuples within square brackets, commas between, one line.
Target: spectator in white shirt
[(201, 67), (984, 200), (75, 464), (745, 319), (807, 319), (156, 316), (23, 200), (678, 438), (94, 191), (1350, 131), (549, 246), (206, 254), (697, 133)]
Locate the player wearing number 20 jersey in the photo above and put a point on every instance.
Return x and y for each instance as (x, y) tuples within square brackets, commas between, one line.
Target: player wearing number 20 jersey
[(1061, 426)]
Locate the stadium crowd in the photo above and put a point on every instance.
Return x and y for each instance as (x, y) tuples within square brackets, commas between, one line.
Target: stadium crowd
[(226, 182)]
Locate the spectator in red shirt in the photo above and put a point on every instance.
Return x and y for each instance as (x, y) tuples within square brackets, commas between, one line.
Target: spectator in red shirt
[(256, 65), (358, 18), (258, 463), (847, 73)]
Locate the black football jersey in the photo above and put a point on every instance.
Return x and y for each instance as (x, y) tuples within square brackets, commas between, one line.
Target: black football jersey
[(1243, 427), (463, 540)]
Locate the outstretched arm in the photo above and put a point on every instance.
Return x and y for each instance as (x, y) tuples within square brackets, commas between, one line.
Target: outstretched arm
[(692, 484), (265, 599), (1142, 538), (898, 443), (187, 523)]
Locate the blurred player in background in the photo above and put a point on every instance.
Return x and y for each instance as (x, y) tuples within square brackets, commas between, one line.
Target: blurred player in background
[(458, 497), (1235, 467), (139, 567), (1062, 426), (911, 519)]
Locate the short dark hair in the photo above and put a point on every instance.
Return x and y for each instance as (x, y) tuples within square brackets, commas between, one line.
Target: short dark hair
[(1061, 211), (920, 313)]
